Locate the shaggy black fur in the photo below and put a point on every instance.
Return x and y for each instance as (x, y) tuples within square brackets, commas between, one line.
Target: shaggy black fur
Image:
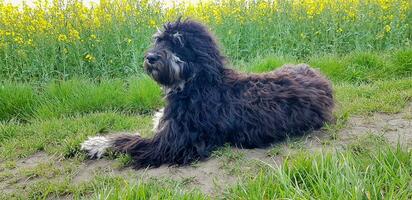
[(208, 104)]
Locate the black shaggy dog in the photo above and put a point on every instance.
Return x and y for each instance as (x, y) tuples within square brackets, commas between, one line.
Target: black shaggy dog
[(208, 104)]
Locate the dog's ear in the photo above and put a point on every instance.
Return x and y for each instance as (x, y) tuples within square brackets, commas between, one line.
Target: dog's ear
[(157, 34)]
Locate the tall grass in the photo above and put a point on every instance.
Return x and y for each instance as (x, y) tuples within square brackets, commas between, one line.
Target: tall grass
[(368, 170), (64, 39), (354, 67), (381, 81), (78, 96), (16, 100)]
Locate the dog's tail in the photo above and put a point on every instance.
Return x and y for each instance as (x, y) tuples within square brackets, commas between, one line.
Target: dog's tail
[(97, 146)]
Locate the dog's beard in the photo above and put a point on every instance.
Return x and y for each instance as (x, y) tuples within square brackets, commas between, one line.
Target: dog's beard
[(166, 71)]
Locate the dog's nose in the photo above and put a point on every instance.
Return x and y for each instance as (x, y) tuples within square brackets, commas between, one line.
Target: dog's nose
[(152, 58)]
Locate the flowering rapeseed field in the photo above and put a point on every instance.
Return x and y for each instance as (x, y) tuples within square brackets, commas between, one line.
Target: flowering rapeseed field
[(58, 39)]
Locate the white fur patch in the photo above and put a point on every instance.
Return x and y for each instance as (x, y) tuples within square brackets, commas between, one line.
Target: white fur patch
[(178, 36), (156, 119), (175, 63), (96, 146)]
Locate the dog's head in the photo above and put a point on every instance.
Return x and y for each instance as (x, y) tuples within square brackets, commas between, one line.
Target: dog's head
[(181, 51)]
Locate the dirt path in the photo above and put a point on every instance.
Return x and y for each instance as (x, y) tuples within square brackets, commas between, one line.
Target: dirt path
[(220, 171), (394, 128)]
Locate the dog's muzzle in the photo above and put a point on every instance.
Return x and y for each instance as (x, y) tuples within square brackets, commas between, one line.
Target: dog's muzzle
[(150, 61), (152, 58)]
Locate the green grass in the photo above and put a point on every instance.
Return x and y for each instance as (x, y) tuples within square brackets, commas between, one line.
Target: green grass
[(24, 101), (109, 187), (16, 101), (381, 96), (63, 136), (381, 172), (362, 75), (355, 67), (153, 189)]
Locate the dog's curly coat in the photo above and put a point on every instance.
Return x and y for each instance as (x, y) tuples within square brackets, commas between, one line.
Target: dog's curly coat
[(208, 104)]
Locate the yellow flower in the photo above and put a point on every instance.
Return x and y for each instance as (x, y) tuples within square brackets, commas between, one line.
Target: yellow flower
[(30, 42), (7, 33), (129, 40), (387, 28), (89, 58), (152, 23), (74, 34), (340, 30), (19, 40), (62, 38), (93, 36)]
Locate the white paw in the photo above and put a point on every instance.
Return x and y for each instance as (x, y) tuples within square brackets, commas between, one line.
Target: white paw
[(156, 119), (96, 146)]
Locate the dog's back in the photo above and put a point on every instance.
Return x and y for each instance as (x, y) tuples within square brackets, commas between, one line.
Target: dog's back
[(288, 101), (307, 77)]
